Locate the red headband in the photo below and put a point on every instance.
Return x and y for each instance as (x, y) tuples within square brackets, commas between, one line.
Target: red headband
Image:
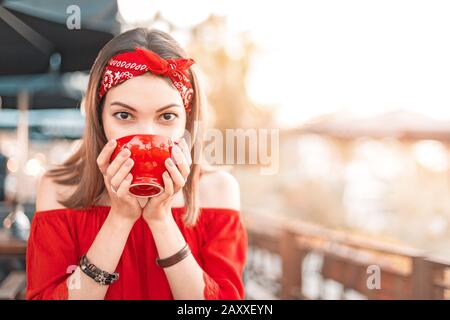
[(127, 65)]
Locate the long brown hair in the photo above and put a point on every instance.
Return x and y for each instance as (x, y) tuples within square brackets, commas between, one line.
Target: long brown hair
[(81, 168)]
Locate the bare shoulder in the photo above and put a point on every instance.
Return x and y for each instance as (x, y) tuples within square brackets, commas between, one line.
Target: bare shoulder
[(48, 192), (219, 189)]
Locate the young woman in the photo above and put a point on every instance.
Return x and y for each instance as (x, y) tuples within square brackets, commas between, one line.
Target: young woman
[(91, 239)]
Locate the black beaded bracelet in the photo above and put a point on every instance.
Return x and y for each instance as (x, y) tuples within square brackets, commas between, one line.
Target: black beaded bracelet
[(99, 276)]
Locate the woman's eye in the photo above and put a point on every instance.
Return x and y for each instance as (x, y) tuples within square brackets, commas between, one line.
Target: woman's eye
[(122, 115), (168, 116)]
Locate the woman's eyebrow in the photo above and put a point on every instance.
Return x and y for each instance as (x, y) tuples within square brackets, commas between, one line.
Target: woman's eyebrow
[(118, 103), (168, 106), (133, 109)]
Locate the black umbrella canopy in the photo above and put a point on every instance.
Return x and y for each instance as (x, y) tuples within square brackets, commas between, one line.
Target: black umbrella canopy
[(44, 100), (36, 37), (45, 91)]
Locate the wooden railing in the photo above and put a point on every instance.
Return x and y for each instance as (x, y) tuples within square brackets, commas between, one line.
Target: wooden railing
[(357, 265), (13, 284)]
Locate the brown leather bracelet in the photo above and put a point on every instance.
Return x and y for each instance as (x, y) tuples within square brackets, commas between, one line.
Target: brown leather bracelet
[(177, 257)]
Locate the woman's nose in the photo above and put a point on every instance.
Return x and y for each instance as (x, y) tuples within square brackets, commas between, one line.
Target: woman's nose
[(146, 130)]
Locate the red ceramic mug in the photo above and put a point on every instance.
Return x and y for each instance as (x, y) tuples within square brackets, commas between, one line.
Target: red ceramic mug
[(149, 153)]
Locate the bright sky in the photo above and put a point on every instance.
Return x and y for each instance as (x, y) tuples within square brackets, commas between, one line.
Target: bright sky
[(322, 56)]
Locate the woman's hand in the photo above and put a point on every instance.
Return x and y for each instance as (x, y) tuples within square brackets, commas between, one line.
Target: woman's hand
[(158, 209), (117, 175)]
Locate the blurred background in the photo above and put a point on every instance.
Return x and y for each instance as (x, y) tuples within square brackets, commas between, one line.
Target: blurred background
[(358, 92)]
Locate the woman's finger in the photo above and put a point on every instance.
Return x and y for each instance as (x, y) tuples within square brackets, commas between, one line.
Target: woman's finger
[(180, 161), (186, 151), (168, 185), (105, 155), (122, 191), (175, 174), (122, 173), (115, 165)]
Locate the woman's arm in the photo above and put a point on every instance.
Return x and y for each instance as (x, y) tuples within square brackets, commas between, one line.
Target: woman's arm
[(186, 277), (107, 248), (105, 253)]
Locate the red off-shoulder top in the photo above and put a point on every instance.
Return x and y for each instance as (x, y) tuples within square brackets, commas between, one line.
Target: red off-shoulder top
[(59, 237)]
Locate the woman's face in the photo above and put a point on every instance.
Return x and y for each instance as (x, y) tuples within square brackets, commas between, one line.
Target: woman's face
[(145, 104)]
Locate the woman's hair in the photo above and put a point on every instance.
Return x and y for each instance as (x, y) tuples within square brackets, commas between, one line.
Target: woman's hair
[(81, 168)]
